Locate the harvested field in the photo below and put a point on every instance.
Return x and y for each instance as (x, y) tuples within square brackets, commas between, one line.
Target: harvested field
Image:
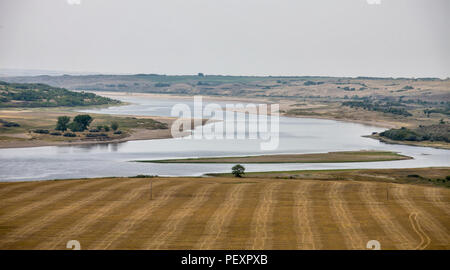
[(222, 213)]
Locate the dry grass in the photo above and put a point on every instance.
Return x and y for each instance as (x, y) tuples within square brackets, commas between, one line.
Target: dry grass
[(222, 213), (344, 156), (421, 176), (133, 128)]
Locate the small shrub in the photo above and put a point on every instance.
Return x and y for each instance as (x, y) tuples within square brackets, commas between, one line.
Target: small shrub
[(309, 83), (162, 84), (55, 133), (96, 135), (144, 176), (9, 124), (69, 134), (114, 126), (94, 130), (41, 131), (118, 132)]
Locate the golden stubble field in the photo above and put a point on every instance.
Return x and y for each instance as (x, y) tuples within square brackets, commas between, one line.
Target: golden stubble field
[(222, 213)]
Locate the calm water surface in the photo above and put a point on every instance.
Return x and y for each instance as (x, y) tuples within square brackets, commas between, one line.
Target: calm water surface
[(297, 135)]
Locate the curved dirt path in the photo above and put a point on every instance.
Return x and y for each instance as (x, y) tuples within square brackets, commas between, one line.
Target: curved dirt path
[(176, 221), (430, 224), (136, 217), (348, 226), (44, 221), (389, 224), (304, 218), (83, 224), (262, 216), (424, 239), (221, 218), (38, 204)]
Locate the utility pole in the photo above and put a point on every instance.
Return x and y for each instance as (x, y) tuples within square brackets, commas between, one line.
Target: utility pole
[(387, 192)]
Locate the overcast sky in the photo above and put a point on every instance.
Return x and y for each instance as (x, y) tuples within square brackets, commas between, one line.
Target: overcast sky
[(396, 38)]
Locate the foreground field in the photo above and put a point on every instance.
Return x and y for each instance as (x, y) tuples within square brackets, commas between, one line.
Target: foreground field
[(222, 213)]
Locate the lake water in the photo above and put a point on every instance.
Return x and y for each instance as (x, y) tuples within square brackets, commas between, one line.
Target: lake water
[(297, 135)]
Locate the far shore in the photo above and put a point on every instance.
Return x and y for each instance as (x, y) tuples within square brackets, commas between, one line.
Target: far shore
[(20, 140), (283, 104)]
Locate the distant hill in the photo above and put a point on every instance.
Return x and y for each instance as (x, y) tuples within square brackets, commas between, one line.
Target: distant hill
[(43, 95), (290, 87), (11, 72)]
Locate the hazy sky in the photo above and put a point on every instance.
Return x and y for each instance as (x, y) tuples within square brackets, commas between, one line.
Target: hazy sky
[(237, 37)]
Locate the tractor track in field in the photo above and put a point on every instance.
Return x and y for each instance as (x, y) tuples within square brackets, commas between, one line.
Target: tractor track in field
[(47, 219), (35, 192), (136, 217), (38, 204), (424, 239), (341, 213), (177, 219), (223, 213), (81, 225), (429, 223), (435, 196), (27, 193), (380, 212), (263, 211), (304, 219), (221, 218)]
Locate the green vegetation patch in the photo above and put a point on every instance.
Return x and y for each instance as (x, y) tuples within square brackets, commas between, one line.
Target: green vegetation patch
[(41, 95), (439, 132), (379, 106)]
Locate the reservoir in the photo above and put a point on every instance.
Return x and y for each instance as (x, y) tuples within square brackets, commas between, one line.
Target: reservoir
[(297, 135)]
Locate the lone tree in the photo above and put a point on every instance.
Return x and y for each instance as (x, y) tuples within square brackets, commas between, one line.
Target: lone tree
[(80, 122), (238, 170), (114, 126), (62, 123)]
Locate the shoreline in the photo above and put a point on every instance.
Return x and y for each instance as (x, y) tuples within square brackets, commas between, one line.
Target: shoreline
[(139, 134), (380, 124), (419, 144), (328, 157)]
